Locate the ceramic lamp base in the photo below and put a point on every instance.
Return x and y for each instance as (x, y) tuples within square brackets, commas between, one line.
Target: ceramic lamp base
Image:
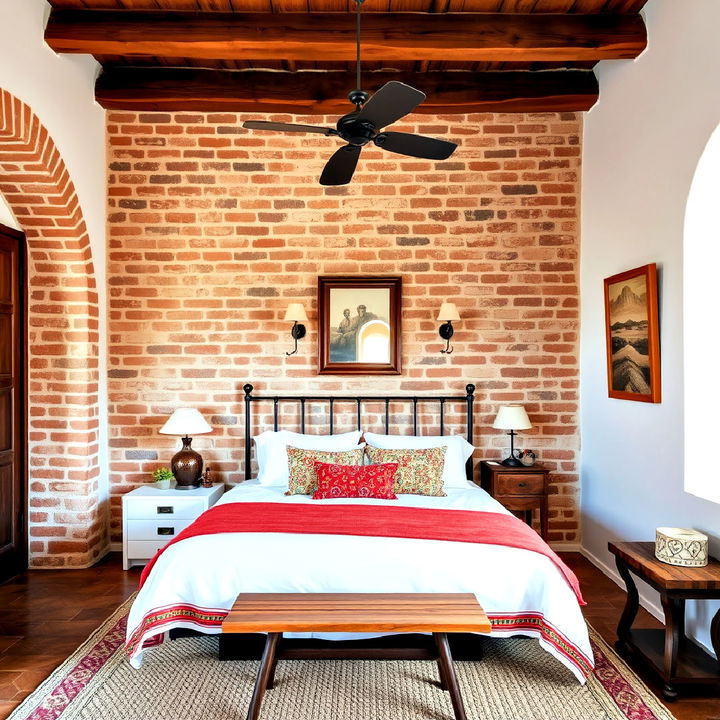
[(187, 466)]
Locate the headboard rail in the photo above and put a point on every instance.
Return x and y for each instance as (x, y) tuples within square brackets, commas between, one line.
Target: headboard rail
[(418, 403)]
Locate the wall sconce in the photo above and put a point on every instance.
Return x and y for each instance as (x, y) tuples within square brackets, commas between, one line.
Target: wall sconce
[(448, 313), (296, 313)]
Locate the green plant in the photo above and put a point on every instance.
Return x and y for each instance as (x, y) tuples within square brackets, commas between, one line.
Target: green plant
[(162, 474)]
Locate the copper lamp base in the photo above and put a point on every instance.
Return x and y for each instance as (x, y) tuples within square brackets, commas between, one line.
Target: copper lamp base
[(187, 466)]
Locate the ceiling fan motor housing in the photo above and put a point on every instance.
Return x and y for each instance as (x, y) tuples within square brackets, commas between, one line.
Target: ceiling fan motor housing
[(356, 131)]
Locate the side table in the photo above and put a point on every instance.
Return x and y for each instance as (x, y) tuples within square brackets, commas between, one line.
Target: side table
[(152, 517), (519, 489), (668, 652)]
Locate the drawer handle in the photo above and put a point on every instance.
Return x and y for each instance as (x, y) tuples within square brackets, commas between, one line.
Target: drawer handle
[(166, 531), (165, 509), (522, 484)]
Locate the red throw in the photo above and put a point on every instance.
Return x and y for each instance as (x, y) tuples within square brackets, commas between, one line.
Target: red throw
[(371, 520)]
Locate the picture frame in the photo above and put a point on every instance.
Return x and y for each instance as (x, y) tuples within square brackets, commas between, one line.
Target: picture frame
[(359, 325), (632, 335)]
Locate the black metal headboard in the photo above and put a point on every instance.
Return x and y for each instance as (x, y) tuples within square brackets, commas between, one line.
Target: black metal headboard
[(468, 399)]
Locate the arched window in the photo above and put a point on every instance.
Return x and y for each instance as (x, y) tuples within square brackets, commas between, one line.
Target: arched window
[(373, 342), (701, 326)]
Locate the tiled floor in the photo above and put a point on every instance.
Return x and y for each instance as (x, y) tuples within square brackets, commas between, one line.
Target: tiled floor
[(46, 614)]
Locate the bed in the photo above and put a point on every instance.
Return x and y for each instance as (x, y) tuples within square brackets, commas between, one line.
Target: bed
[(194, 583)]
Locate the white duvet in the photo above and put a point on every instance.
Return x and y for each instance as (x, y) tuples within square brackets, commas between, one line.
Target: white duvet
[(195, 582)]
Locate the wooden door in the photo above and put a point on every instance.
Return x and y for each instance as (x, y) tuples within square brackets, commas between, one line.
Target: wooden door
[(13, 544)]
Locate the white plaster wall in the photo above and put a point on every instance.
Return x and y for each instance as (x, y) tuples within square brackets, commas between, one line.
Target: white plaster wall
[(6, 215), (642, 142), (60, 91)]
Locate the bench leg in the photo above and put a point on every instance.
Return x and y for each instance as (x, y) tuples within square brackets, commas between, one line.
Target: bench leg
[(271, 676), (265, 671), (443, 681), (447, 676)]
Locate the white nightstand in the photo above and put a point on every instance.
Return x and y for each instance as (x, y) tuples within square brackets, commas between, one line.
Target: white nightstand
[(152, 517)]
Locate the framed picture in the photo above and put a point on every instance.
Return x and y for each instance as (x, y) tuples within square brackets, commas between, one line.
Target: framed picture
[(633, 340), (359, 325)]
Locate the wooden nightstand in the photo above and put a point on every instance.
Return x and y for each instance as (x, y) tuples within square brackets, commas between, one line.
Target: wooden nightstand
[(519, 489), (152, 517)]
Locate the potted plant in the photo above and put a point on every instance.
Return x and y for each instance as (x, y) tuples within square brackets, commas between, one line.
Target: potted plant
[(163, 477)]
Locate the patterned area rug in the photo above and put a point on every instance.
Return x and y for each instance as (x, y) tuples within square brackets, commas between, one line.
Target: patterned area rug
[(516, 680)]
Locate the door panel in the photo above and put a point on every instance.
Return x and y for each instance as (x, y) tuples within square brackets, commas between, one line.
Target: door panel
[(13, 509)]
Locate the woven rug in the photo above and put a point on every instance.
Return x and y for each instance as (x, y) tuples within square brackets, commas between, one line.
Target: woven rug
[(183, 680)]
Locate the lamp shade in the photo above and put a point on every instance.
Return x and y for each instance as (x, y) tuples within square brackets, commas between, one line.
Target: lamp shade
[(512, 417), (448, 311), (185, 421), (295, 313)]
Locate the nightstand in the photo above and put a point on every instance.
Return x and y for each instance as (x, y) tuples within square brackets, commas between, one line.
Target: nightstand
[(152, 517), (519, 489)]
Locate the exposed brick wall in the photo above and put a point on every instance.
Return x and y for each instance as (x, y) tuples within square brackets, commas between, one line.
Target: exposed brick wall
[(214, 229), (68, 521)]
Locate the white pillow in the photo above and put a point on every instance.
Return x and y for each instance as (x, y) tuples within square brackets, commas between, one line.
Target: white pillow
[(457, 453), (271, 450)]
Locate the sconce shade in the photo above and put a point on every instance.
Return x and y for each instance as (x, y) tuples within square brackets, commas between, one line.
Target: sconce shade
[(295, 313), (185, 421), (448, 312), (512, 417)]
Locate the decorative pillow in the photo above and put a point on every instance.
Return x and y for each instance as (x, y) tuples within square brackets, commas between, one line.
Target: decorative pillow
[(457, 454), (301, 466), (419, 471), (355, 481), (271, 450)]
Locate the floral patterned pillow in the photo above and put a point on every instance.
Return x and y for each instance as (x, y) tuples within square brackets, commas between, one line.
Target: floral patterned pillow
[(301, 466), (419, 472), (353, 481)]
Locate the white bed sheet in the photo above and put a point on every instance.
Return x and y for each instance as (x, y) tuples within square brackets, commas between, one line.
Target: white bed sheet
[(522, 592)]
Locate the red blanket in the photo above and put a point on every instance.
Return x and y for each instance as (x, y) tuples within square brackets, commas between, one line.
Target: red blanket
[(372, 520)]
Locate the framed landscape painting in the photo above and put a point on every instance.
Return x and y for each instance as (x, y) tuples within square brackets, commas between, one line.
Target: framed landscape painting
[(633, 339), (359, 325)]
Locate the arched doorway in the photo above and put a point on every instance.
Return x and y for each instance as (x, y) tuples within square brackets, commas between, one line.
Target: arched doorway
[(67, 524), (701, 258)]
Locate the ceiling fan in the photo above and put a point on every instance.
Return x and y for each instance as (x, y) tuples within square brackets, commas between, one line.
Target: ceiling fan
[(391, 102)]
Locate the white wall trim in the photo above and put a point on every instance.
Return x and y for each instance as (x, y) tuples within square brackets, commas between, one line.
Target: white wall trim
[(566, 547), (116, 547), (650, 605)]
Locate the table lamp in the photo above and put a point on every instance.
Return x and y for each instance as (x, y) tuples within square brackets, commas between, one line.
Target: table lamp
[(186, 464), (512, 418)]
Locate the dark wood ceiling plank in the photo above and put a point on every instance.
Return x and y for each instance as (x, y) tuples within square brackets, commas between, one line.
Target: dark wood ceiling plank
[(460, 37), (317, 93), (536, 6)]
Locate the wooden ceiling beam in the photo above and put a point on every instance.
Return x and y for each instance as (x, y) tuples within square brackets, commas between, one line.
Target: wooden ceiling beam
[(459, 37), (325, 93)]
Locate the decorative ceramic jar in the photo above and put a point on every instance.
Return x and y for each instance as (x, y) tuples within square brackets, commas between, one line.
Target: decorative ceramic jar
[(527, 457), (681, 546)]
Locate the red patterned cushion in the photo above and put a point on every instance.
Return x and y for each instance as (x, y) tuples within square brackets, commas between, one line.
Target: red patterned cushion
[(355, 481)]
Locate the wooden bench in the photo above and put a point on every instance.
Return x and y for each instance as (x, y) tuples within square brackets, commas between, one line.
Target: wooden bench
[(276, 613)]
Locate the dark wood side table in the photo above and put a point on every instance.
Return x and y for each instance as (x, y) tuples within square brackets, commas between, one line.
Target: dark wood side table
[(519, 489), (677, 660)]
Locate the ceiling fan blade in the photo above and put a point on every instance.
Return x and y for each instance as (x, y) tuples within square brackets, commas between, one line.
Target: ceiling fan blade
[(391, 102), (287, 127), (418, 146), (341, 166)]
